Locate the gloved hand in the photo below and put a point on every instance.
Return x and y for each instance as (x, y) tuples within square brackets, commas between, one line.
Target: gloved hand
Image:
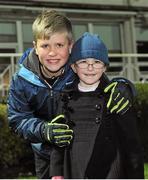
[(57, 132), (121, 96)]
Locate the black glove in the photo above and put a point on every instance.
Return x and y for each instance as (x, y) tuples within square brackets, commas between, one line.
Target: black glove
[(58, 133), (122, 93)]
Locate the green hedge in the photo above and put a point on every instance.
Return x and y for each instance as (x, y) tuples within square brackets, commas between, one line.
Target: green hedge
[(16, 156), (141, 105)]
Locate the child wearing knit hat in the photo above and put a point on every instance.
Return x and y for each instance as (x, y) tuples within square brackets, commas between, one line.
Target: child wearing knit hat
[(89, 58), (105, 145)]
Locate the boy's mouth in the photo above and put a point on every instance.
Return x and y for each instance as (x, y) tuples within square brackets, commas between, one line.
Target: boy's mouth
[(52, 61)]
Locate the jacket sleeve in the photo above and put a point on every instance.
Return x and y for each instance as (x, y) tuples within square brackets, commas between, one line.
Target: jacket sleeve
[(131, 149), (20, 115)]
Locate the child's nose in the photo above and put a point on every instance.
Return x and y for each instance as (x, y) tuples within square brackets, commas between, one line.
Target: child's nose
[(52, 52), (90, 66)]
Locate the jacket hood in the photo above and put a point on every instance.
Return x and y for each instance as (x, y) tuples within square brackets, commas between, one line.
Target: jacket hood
[(31, 62)]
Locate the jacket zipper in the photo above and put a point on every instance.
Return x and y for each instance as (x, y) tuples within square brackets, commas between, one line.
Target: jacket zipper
[(51, 93)]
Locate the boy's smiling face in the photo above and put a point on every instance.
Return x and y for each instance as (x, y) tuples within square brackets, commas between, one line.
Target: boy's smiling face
[(53, 53)]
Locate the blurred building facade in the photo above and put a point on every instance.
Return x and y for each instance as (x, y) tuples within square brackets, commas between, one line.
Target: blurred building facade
[(122, 24)]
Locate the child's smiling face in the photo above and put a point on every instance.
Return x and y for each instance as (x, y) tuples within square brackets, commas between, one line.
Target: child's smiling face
[(53, 53), (89, 71)]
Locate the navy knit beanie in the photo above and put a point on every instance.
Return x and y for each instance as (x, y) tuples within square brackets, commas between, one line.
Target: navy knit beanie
[(89, 46)]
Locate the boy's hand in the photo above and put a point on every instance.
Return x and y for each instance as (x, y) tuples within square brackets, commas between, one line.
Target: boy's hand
[(121, 97), (57, 132)]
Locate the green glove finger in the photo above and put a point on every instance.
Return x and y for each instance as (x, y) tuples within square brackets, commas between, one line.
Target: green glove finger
[(62, 143), (117, 105), (113, 85), (56, 124), (109, 87), (123, 106), (59, 126), (63, 138), (62, 132), (58, 118), (113, 99), (110, 99)]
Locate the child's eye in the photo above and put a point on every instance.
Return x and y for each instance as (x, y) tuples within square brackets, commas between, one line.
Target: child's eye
[(45, 46), (82, 62), (59, 45), (98, 62)]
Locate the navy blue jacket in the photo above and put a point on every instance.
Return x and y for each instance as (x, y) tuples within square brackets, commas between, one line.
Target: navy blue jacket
[(31, 101)]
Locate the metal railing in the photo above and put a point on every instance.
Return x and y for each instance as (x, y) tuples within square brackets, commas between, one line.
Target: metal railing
[(129, 66), (7, 73), (133, 66)]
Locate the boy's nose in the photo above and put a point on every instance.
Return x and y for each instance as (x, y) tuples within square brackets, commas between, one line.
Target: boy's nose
[(52, 52)]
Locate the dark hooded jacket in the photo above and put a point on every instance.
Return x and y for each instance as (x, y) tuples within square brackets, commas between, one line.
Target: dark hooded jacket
[(104, 146)]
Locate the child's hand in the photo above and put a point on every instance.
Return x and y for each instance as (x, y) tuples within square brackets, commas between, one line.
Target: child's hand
[(57, 177)]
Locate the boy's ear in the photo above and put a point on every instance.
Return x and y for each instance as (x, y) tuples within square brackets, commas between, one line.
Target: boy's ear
[(73, 68), (34, 45)]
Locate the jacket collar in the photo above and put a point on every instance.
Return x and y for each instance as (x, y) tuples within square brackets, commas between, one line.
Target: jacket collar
[(74, 86), (32, 63)]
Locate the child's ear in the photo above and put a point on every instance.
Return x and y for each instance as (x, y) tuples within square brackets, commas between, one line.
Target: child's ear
[(73, 68), (104, 69), (35, 47), (34, 44)]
